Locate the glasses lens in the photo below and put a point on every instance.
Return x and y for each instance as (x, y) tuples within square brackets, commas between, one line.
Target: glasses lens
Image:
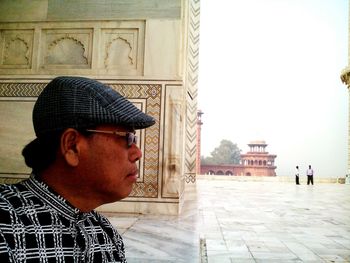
[(132, 138)]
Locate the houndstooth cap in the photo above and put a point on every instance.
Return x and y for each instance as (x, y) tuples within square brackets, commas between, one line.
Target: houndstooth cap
[(77, 102)]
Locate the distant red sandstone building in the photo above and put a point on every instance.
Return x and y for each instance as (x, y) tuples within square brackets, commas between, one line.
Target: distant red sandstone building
[(256, 162)]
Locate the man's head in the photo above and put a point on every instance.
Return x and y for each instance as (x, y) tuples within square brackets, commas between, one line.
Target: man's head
[(86, 129)]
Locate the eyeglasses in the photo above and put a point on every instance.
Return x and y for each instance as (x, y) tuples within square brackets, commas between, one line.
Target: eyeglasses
[(131, 138)]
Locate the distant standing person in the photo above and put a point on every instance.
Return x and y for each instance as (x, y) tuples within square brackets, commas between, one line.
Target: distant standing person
[(297, 174), (310, 175)]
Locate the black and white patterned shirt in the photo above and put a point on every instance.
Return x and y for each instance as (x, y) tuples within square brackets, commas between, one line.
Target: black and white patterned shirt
[(37, 225)]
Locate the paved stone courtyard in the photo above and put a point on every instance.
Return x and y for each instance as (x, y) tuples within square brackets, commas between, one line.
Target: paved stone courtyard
[(245, 221)]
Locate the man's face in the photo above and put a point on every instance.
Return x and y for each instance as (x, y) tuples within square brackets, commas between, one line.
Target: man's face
[(109, 164)]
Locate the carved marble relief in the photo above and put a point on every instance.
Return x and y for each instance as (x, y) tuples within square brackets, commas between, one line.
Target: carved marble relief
[(67, 48), (16, 48), (89, 48), (120, 48), (118, 52)]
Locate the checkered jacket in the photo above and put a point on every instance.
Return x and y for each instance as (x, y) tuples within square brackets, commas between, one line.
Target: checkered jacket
[(37, 225)]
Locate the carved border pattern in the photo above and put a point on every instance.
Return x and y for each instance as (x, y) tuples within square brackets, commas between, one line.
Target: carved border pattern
[(191, 86), (21, 89), (149, 187), (151, 93)]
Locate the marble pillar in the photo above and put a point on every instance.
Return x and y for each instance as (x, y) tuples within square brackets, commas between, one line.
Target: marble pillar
[(345, 77), (147, 50)]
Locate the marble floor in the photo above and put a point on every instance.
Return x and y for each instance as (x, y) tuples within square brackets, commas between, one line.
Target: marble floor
[(250, 221)]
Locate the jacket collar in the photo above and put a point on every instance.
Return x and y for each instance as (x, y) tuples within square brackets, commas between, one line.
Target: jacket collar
[(51, 198)]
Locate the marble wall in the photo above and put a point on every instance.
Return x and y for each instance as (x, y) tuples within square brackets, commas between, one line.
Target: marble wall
[(147, 50)]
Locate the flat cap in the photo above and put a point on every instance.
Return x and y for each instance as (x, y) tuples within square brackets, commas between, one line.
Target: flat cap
[(80, 103)]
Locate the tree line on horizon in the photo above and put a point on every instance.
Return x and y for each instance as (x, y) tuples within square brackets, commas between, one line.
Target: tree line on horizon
[(226, 153)]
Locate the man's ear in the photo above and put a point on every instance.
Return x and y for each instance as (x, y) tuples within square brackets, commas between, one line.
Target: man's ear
[(70, 146)]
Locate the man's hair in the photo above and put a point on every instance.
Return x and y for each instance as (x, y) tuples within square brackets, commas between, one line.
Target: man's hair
[(40, 153)]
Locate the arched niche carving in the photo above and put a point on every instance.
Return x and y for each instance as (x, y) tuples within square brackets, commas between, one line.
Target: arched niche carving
[(118, 53), (16, 52), (66, 51)]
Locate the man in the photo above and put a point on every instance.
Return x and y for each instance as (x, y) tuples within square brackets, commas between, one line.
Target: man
[(310, 175), (297, 175), (84, 156)]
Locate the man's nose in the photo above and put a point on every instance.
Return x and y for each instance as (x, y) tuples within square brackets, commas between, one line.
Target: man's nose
[(135, 153)]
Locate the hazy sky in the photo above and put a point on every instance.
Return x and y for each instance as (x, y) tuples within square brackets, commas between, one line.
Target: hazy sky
[(270, 70)]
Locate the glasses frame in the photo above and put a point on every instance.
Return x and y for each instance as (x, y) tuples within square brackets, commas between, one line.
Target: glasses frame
[(130, 137)]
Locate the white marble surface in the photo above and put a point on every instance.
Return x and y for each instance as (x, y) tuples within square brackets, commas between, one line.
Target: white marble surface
[(246, 222)]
